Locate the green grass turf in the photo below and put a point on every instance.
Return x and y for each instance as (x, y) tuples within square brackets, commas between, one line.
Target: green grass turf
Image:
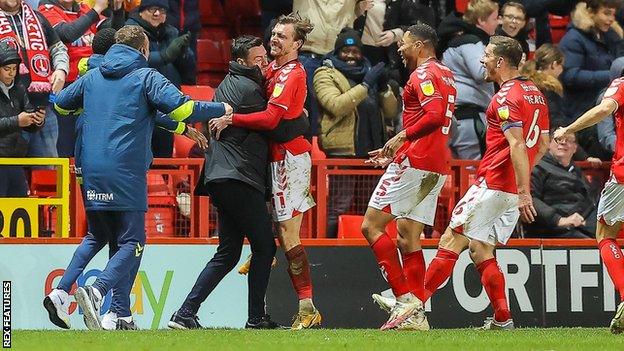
[(565, 339)]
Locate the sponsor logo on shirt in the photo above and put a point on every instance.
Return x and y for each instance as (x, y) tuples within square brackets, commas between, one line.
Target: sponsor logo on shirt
[(92, 195)]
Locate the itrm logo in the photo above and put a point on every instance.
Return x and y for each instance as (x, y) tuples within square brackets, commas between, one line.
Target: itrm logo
[(94, 196)]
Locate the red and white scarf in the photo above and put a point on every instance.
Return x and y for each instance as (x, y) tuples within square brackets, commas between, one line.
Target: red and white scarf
[(35, 45)]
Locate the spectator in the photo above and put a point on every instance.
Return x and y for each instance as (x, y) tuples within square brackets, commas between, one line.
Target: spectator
[(328, 19), (43, 69), (544, 71), (355, 99), (593, 41), (465, 40), (383, 25), (356, 104), (561, 195), (169, 54), (606, 127), (513, 24), (184, 15), (76, 24), (14, 118)]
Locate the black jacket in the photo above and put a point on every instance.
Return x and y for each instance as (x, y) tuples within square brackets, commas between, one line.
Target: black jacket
[(559, 192), (240, 153), (11, 142), (453, 31), (180, 71)]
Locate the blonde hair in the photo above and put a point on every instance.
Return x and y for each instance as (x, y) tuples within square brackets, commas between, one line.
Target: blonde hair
[(479, 10), (545, 56)]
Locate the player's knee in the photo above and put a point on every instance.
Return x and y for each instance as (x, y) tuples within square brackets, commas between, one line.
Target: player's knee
[(370, 231), (478, 251)]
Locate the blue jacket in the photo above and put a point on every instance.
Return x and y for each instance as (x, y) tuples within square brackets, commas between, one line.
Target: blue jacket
[(587, 62), (119, 102)]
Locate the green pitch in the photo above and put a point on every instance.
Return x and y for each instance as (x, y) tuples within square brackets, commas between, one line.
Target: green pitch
[(568, 339)]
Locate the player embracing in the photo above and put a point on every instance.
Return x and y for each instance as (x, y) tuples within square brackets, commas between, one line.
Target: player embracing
[(516, 138), (291, 164), (408, 191), (611, 204)]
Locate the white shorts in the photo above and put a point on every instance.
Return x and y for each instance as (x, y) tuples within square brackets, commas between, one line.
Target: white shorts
[(407, 192), (486, 215), (290, 186), (611, 204)]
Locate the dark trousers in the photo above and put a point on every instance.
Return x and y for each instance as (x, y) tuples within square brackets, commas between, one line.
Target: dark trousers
[(242, 212), (13, 182)]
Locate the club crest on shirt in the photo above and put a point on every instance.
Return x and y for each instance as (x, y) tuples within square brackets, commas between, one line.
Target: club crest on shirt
[(503, 112), (277, 91), (427, 88)]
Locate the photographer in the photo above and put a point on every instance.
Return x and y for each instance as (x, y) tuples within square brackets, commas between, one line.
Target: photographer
[(13, 118)]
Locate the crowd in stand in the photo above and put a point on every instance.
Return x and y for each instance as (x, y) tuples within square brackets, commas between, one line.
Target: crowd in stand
[(354, 78)]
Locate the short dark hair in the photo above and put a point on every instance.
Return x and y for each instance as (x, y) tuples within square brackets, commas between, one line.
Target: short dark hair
[(133, 36), (424, 32), (302, 25), (507, 48), (103, 40), (242, 44), (594, 5), (517, 5)]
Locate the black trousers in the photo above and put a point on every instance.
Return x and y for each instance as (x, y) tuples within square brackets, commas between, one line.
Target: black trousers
[(242, 212), (13, 182)]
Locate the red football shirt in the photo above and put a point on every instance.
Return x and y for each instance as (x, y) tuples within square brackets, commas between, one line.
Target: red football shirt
[(430, 88), (518, 104), (79, 48), (286, 87), (615, 92)]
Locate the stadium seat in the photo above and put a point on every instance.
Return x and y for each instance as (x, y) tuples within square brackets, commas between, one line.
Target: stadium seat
[(182, 146), (211, 12), (43, 183), (244, 15), (226, 50), (317, 153), (349, 226), (558, 27), (215, 33), (210, 57), (198, 92), (461, 5)]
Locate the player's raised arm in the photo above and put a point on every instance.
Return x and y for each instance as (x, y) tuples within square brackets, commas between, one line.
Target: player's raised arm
[(521, 166), (596, 114)]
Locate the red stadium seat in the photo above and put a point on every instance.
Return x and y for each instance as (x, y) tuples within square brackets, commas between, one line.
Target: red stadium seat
[(244, 16), (558, 27), (317, 153), (461, 5), (198, 92), (210, 57), (43, 183), (182, 146), (211, 12), (215, 33)]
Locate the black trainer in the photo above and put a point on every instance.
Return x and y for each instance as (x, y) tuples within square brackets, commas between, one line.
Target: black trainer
[(263, 322), (180, 322), (123, 325)]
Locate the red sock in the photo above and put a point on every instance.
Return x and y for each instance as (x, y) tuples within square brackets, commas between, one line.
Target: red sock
[(388, 260), (299, 272), (493, 281), (414, 268), (613, 258), (438, 271)]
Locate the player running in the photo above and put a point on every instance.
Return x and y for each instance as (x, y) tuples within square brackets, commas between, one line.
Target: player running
[(408, 191), (611, 204), (291, 165), (517, 137)]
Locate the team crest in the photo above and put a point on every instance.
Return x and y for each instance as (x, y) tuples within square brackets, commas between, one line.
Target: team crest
[(427, 88), (503, 112), (40, 64), (277, 91)]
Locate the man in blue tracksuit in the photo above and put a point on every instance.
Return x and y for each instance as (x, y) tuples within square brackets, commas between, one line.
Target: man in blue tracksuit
[(119, 102)]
